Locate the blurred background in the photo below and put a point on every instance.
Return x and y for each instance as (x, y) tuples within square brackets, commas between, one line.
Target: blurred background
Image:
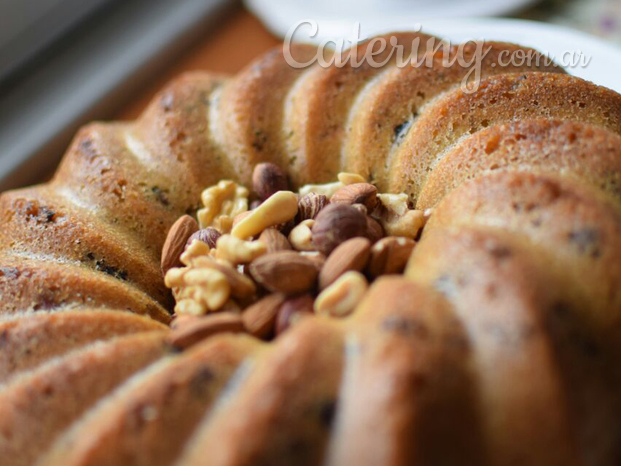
[(66, 62)]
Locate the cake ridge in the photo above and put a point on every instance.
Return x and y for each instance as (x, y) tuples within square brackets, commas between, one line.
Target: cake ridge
[(479, 343)]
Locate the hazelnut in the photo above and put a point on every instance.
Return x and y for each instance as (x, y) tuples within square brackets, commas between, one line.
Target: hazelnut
[(267, 179), (335, 224), (209, 236)]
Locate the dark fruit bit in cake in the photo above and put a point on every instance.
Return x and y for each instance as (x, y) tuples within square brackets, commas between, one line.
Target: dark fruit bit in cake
[(267, 179), (310, 205), (208, 236), (176, 240), (335, 224), (292, 310), (357, 193)]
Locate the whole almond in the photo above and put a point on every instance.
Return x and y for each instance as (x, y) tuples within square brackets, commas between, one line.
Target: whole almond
[(175, 242), (284, 271), (357, 193), (310, 205), (335, 224), (260, 318), (293, 310), (390, 255), (193, 331), (274, 240), (353, 254), (315, 257), (268, 178), (208, 236)]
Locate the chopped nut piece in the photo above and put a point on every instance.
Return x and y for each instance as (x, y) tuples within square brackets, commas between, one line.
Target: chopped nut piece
[(222, 203), (341, 298), (407, 225), (241, 285), (208, 286), (327, 189), (267, 179), (397, 203), (301, 237), (390, 255), (274, 240), (197, 290), (350, 178), (353, 254), (285, 271), (238, 251), (189, 307), (337, 223), (260, 318), (195, 249), (396, 217), (310, 205), (279, 208), (177, 237)]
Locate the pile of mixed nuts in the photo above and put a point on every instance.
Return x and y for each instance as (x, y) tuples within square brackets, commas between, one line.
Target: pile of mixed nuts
[(259, 264)]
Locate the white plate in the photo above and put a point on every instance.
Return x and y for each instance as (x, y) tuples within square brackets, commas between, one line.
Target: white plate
[(329, 9), (562, 44)]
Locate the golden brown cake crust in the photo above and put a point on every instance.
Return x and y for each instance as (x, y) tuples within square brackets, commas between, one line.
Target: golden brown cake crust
[(27, 340), (572, 149), (499, 346)]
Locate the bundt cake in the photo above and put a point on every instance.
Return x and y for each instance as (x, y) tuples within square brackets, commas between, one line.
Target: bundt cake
[(499, 344)]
